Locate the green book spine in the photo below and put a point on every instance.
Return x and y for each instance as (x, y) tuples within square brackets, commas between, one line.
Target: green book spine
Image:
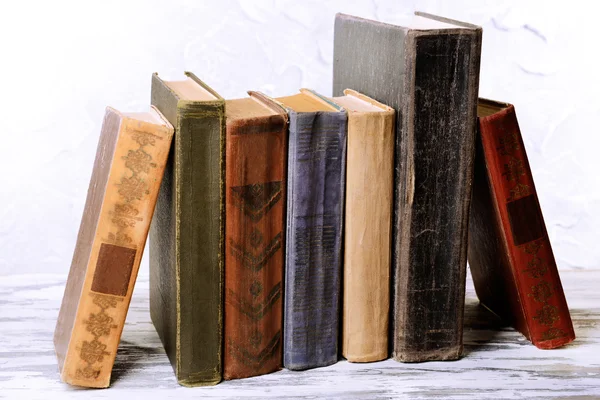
[(187, 238)]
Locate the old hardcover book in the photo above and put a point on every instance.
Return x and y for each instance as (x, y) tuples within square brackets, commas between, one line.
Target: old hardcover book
[(316, 172), (255, 215), (187, 233), (428, 71), (127, 173), (367, 227), (511, 259)]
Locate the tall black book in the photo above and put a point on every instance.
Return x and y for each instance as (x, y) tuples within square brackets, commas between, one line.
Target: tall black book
[(428, 72)]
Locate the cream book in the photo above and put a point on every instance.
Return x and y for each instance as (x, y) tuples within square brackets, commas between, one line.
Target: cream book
[(368, 224)]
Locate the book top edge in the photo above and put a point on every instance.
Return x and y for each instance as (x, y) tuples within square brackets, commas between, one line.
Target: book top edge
[(308, 101), (446, 20), (254, 106), (152, 116), (354, 101), (487, 108), (421, 22), (191, 89)]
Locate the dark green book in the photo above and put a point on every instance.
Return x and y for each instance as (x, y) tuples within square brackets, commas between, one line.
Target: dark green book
[(187, 232)]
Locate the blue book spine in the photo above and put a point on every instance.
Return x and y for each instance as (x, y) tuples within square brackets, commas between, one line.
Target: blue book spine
[(316, 178)]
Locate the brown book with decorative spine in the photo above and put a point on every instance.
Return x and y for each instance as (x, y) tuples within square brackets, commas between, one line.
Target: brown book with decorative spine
[(254, 235), (511, 259), (127, 173)]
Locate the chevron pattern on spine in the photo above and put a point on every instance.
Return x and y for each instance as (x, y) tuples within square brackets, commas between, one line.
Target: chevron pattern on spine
[(255, 311), (256, 262), (252, 359), (254, 247), (257, 199)]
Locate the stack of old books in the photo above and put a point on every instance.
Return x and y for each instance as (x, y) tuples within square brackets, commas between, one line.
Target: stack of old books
[(275, 223)]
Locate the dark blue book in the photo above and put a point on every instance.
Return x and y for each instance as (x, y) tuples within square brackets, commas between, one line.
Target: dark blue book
[(316, 176)]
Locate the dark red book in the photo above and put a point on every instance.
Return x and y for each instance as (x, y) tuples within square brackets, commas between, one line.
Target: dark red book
[(511, 259)]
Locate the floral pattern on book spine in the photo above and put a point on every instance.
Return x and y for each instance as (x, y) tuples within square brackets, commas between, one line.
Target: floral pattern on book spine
[(99, 324), (132, 188), (509, 146)]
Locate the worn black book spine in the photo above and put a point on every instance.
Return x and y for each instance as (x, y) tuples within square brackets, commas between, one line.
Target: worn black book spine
[(431, 78)]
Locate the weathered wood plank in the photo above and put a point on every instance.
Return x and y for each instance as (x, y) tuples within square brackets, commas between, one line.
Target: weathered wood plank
[(498, 362)]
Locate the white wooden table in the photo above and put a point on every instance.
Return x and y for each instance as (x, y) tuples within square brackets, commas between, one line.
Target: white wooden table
[(498, 363)]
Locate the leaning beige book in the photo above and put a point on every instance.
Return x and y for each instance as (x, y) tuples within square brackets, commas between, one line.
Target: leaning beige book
[(130, 160), (368, 224)]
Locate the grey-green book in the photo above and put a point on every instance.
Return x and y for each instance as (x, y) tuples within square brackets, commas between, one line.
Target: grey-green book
[(187, 232)]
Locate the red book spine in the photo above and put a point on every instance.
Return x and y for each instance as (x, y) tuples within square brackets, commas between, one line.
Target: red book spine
[(534, 270), (255, 204)]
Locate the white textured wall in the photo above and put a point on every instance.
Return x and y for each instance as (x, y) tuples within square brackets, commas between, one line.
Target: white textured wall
[(62, 63)]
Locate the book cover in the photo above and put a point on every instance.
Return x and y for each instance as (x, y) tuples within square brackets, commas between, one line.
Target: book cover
[(187, 233), (315, 214), (255, 236), (367, 227), (510, 255), (127, 173), (428, 71)]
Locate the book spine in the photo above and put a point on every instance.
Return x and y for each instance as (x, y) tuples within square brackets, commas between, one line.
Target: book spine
[(133, 182), (531, 258), (187, 240), (316, 174), (199, 187), (85, 238), (255, 211), (164, 229), (488, 252), (368, 224), (435, 160)]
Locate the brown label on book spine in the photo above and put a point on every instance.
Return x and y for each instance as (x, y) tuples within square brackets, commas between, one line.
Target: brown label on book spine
[(113, 269), (525, 208)]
